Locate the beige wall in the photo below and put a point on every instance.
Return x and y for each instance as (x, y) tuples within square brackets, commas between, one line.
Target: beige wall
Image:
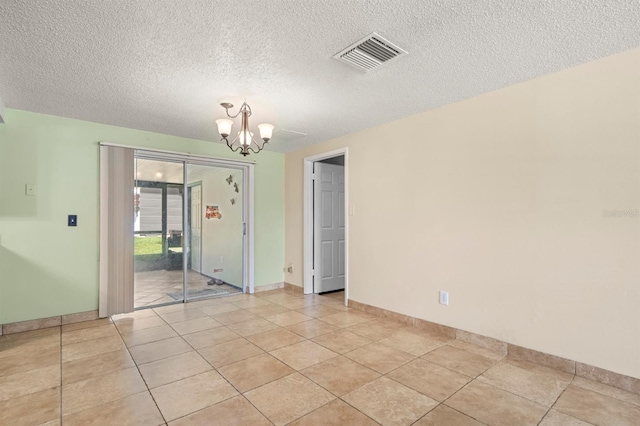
[(499, 200), (222, 241)]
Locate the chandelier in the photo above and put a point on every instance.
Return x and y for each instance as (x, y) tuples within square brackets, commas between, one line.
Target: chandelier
[(244, 141)]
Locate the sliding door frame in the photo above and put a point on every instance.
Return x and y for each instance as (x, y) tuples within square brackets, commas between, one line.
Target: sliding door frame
[(247, 167), (248, 276), (247, 214)]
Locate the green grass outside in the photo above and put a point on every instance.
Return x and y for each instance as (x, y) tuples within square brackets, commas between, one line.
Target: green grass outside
[(147, 245)]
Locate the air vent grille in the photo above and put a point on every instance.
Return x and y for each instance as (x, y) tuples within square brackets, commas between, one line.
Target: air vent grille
[(370, 52)]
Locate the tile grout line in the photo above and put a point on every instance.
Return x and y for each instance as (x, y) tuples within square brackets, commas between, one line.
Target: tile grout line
[(266, 352), (504, 390), (243, 337), (473, 379), (520, 396), (362, 308), (257, 387), (139, 372), (338, 397), (340, 328), (357, 409), (439, 403), (238, 390), (604, 394), (214, 369), (453, 394), (295, 371), (310, 339), (307, 339), (90, 356), (554, 402)]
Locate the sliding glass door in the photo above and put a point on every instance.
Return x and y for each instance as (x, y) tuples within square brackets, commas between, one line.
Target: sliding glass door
[(190, 229), (215, 230), (157, 232)]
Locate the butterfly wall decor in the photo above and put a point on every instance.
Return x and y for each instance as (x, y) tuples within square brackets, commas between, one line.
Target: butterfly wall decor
[(233, 201), (235, 185), (229, 179)]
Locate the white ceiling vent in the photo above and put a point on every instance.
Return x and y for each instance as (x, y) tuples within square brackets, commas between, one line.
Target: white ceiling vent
[(369, 53)]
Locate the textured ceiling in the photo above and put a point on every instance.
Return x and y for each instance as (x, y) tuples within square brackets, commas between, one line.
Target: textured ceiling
[(164, 66)]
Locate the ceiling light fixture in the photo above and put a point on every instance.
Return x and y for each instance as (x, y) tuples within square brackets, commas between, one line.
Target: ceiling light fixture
[(244, 142)]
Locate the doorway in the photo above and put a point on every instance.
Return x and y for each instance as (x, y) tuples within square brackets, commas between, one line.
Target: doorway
[(326, 224), (192, 223)]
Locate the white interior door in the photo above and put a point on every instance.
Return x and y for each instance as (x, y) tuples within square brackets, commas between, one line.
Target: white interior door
[(196, 228), (329, 221)]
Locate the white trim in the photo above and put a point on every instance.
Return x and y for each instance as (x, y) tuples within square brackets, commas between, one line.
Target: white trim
[(308, 218), (307, 248), (249, 197), (103, 301), (186, 230)]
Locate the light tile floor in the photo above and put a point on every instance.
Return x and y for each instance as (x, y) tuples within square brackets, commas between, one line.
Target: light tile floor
[(151, 288), (282, 358)]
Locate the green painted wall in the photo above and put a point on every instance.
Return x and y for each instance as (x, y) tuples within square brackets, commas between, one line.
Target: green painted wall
[(49, 269)]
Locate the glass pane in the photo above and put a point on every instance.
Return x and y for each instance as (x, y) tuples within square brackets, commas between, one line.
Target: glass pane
[(158, 274), (215, 219)]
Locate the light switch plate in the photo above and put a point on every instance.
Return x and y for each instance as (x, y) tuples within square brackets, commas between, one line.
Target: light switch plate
[(30, 190)]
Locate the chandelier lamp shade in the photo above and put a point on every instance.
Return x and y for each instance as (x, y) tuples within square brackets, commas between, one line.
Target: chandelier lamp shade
[(244, 141)]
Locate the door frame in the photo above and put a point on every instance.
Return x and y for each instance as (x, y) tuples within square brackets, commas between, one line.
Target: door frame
[(190, 187), (308, 218)]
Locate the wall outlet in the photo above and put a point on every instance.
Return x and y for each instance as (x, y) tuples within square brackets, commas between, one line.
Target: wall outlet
[(444, 297), (290, 268)]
